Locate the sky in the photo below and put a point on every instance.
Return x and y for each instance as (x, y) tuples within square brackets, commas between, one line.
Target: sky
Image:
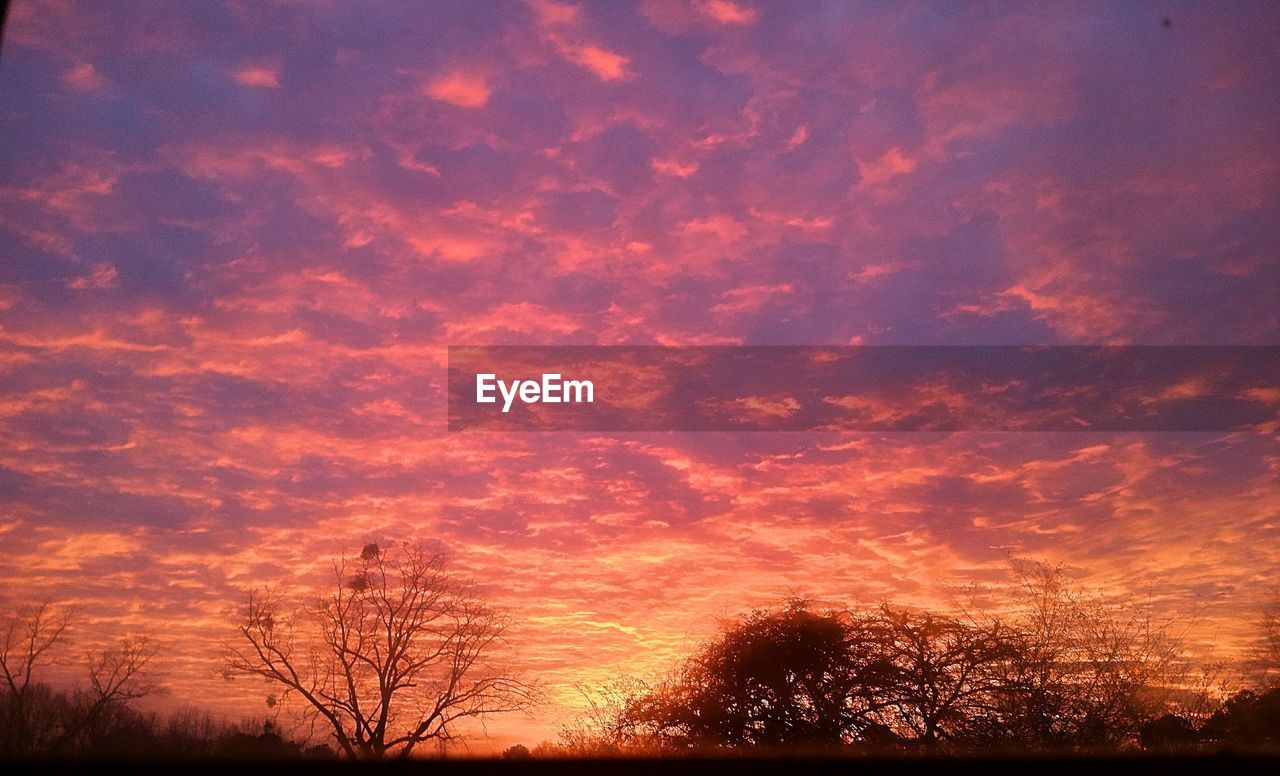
[(237, 239)]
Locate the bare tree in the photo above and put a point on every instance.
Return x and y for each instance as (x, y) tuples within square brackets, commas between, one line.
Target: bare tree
[(1269, 657), (607, 727), (1070, 670), (1090, 670), (394, 657), (776, 678), (936, 676), (38, 721), (31, 637), (116, 677)]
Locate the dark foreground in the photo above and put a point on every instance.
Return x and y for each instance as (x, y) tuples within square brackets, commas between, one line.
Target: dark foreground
[(1224, 762)]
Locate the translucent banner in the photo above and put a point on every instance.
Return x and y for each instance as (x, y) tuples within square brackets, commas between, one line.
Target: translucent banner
[(865, 388)]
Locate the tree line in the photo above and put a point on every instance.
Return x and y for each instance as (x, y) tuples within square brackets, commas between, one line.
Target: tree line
[(1066, 672), (400, 652), (97, 718)]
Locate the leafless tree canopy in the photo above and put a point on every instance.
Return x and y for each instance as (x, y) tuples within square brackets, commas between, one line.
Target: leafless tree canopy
[(1088, 671), (396, 655), (605, 729), (1270, 657), (934, 677), (1067, 671), (38, 721), (31, 637)]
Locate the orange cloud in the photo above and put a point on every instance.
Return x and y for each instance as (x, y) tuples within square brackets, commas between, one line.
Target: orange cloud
[(722, 227), (103, 276), (726, 12), (258, 76), (675, 167), (890, 165), (561, 24), (552, 13), (607, 65), (462, 89), (84, 77)]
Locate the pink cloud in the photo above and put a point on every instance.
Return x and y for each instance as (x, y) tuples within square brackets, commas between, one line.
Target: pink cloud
[(605, 64), (890, 165), (461, 89), (84, 77), (257, 76), (726, 12)]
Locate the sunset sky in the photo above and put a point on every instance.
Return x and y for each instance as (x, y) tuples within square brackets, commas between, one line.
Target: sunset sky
[(237, 239)]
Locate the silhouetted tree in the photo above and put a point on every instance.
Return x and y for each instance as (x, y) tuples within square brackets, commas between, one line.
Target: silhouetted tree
[(936, 677), (608, 728), (116, 677), (1089, 671), (397, 654), (1166, 733), (796, 677), (30, 639), (1247, 720), (1269, 657), (41, 722), (1067, 671), (792, 677)]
